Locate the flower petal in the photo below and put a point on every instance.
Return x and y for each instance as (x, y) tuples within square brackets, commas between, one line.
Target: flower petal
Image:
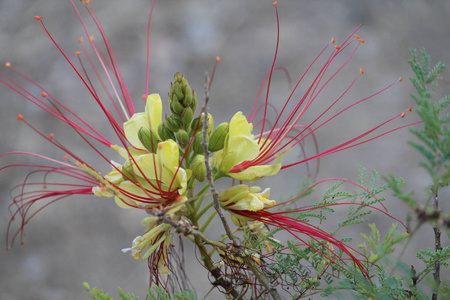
[(153, 110), (168, 153), (132, 126), (239, 125), (256, 172)]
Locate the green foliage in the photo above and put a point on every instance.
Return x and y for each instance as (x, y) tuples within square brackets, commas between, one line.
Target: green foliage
[(158, 293), (434, 146), (380, 248), (430, 257), (386, 288), (155, 293), (435, 134)]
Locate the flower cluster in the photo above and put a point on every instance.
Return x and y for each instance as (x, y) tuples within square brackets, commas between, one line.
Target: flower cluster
[(164, 159)]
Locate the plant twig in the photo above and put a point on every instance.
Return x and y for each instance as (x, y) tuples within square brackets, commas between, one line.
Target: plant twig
[(261, 277), (208, 166), (437, 247), (248, 261)]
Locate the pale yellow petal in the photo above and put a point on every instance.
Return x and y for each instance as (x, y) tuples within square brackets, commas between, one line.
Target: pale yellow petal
[(168, 153), (256, 172), (130, 187), (114, 177), (153, 109), (147, 166), (250, 202), (239, 125), (217, 159), (245, 147), (132, 126)]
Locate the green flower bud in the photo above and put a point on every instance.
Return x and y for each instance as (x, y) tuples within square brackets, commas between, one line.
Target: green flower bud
[(187, 117), (199, 167), (197, 143), (165, 133), (182, 138), (218, 136), (196, 123), (175, 106), (194, 101), (177, 88), (181, 95), (174, 123), (149, 139), (188, 97)]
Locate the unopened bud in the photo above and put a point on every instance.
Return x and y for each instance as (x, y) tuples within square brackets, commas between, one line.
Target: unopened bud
[(188, 97), (149, 139), (165, 133), (197, 144), (174, 123), (199, 167), (194, 101), (218, 136), (181, 95), (182, 138), (187, 117), (175, 106), (177, 88)]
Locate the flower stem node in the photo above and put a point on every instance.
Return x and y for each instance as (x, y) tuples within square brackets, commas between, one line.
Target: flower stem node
[(218, 137)]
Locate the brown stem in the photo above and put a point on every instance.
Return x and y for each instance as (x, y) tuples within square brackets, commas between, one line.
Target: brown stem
[(261, 277), (248, 261), (208, 167), (200, 239), (437, 247)]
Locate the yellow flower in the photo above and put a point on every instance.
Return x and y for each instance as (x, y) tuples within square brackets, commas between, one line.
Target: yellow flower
[(157, 179), (150, 119), (239, 157), (244, 198), (158, 238)]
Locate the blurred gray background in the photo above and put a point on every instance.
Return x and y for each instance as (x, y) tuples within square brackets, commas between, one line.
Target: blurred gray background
[(79, 239)]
